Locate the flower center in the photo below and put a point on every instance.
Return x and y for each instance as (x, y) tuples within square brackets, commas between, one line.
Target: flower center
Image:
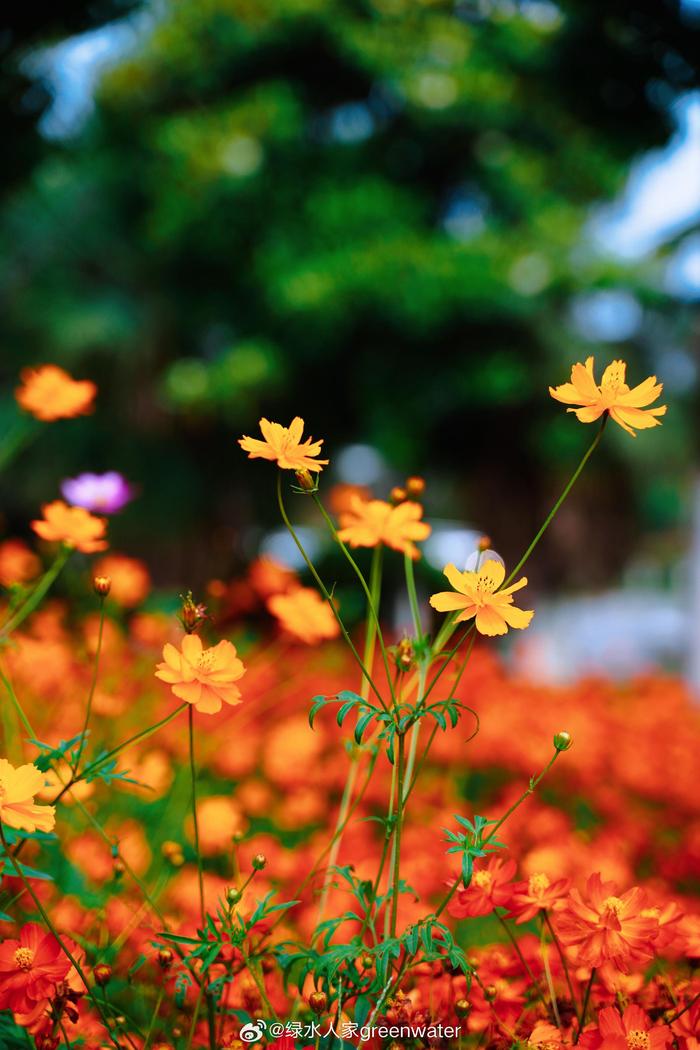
[(205, 661), (538, 883), (613, 904), (24, 957), (638, 1040), (614, 382), (485, 584), (483, 879)]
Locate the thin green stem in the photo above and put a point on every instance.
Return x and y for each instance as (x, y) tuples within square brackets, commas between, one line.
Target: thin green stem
[(16, 439), (523, 961), (397, 833), (548, 976), (154, 1018), (143, 735), (572, 481), (363, 584), (195, 819), (526, 794), (584, 1007), (324, 591), (30, 604), (93, 684), (560, 951), (412, 595)]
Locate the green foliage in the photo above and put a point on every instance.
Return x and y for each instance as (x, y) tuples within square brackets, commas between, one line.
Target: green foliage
[(268, 197)]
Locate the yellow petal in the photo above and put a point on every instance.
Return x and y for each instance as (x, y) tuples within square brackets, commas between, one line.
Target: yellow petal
[(448, 601), (518, 618), (489, 621)]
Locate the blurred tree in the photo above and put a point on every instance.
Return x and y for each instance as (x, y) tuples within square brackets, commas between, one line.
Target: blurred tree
[(367, 212)]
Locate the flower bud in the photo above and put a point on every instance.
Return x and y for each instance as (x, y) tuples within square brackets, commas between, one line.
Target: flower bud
[(306, 480), (318, 1001), (165, 958), (483, 544), (563, 740), (398, 495), (102, 974), (192, 614), (462, 1007), (118, 867), (259, 861), (172, 851), (415, 487), (102, 585), (233, 895), (404, 654)]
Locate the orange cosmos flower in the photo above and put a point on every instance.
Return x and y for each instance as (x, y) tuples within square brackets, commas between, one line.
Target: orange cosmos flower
[(74, 526), (626, 406), (538, 892), (18, 564), (303, 613), (368, 523), (631, 1031), (489, 888), (603, 926), (203, 677), (30, 969), (18, 786), (49, 393), (284, 446), (476, 594)]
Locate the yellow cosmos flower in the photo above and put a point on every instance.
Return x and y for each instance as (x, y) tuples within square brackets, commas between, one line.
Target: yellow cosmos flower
[(626, 406), (18, 786), (476, 594), (203, 677), (283, 445), (368, 523)]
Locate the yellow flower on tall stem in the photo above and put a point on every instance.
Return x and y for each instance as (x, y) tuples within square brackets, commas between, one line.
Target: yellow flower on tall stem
[(283, 445), (627, 406), (367, 523), (202, 677), (477, 594), (18, 786)]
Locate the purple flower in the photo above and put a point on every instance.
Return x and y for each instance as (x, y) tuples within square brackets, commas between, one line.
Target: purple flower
[(104, 493)]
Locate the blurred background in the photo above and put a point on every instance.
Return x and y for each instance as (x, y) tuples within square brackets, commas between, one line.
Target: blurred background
[(401, 220)]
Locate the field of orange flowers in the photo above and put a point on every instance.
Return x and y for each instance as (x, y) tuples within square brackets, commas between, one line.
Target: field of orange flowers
[(311, 836)]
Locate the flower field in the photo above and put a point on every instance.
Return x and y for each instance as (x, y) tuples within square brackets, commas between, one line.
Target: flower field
[(251, 823)]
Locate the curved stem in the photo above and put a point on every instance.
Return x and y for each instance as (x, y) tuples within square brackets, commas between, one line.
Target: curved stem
[(363, 583), (526, 794), (143, 735), (37, 594), (95, 670), (397, 832), (52, 929), (572, 481), (324, 591), (193, 778), (584, 1008)]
